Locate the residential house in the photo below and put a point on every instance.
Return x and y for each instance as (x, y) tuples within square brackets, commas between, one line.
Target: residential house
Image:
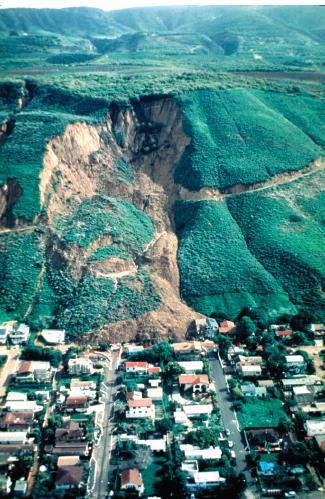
[(136, 367), (79, 387), (268, 383), (193, 410), (78, 403), (53, 336), (31, 371), (316, 409), (194, 452), (198, 383), (315, 427), (26, 406), (227, 327), (154, 383), (16, 421), (67, 461), (205, 480), (284, 333), (5, 484), (20, 488), (142, 408), (68, 478), (190, 467), (71, 432), (295, 363), (132, 349), (16, 396), (307, 380), (154, 370), (70, 449), (155, 393), (187, 347), (250, 390), (135, 395), (320, 441), (131, 479), (246, 360), (20, 334), (264, 439), (302, 394), (13, 437), (249, 371), (155, 445), (318, 330), (203, 328), (191, 367), (181, 418), (79, 366), (4, 333)]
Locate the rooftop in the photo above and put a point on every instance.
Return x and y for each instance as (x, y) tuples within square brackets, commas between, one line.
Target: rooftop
[(140, 403), (193, 379), (131, 475), (67, 475)]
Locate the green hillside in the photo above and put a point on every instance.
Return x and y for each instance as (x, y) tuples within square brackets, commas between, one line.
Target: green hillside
[(192, 107)]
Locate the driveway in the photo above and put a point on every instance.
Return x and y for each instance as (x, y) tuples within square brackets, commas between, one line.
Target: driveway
[(230, 422), (9, 368)]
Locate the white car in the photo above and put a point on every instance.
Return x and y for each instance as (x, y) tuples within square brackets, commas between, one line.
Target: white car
[(230, 443), (227, 432)]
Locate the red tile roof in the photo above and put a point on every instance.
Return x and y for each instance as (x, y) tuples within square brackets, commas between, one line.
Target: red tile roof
[(140, 403), (76, 400), (132, 396), (284, 332), (227, 327), (25, 367), (131, 476), (137, 364), (69, 475), (193, 379), (154, 369)]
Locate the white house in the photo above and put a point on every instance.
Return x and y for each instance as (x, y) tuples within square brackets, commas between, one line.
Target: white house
[(314, 427), (250, 360), (142, 408), (196, 382), (16, 397), (80, 365), (136, 367), (250, 390), (191, 367), (13, 437), (181, 418), (204, 479), (295, 360), (249, 371), (194, 452), (23, 406), (156, 445), (155, 393), (302, 395), (53, 336), (197, 409), (20, 334), (4, 333)]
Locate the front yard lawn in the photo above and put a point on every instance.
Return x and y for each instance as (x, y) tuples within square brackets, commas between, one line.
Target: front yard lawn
[(153, 474), (261, 414)]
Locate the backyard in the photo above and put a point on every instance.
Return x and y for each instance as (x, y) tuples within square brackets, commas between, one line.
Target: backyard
[(261, 414)]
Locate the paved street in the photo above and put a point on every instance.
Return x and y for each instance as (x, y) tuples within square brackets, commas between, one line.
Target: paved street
[(229, 420), (9, 368), (102, 451)]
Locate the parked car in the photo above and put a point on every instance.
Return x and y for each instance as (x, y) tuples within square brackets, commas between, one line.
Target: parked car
[(221, 437), (227, 432), (230, 443)]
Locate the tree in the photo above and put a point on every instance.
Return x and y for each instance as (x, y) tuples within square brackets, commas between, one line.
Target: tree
[(172, 370), (224, 344), (162, 352), (164, 425), (299, 452), (203, 438), (301, 321), (245, 327)]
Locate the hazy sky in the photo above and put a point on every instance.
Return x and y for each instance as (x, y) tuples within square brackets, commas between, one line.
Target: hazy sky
[(121, 4)]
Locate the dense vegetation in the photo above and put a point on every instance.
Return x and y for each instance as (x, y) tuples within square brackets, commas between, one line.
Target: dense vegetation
[(231, 147), (282, 228), (218, 273)]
